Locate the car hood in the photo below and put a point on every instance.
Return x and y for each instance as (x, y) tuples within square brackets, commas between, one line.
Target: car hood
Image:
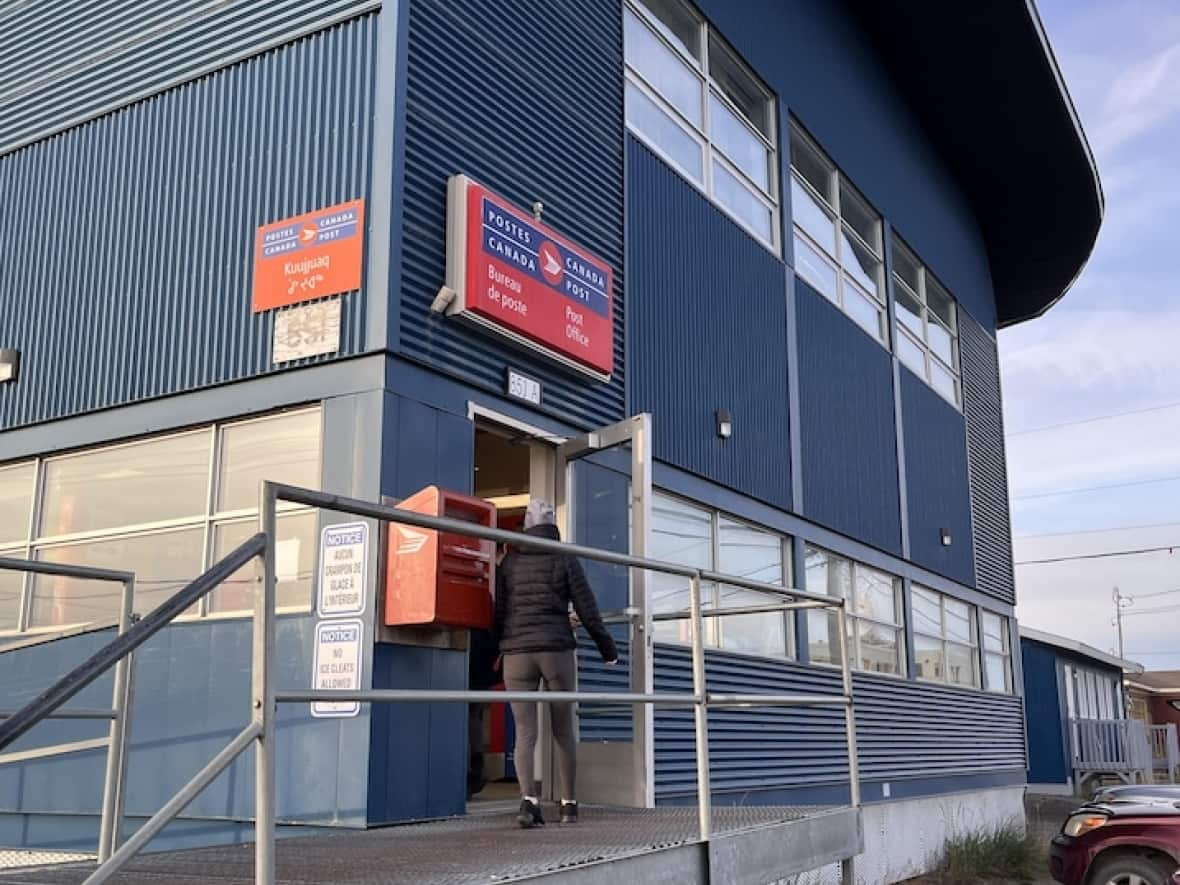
[(1135, 808)]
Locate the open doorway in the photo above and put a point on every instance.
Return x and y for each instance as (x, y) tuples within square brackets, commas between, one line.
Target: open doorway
[(510, 467)]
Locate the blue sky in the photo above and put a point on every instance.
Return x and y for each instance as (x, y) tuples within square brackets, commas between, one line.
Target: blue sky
[(1110, 348)]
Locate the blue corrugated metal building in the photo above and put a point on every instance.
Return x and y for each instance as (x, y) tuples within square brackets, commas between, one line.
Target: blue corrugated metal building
[(816, 218)]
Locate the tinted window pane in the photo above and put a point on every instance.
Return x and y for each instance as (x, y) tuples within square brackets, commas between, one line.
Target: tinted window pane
[(960, 665), (860, 264), (759, 634), (939, 302), (11, 584), (664, 70), (875, 595), (911, 354), (740, 145), (743, 203), (943, 381), (16, 501), (958, 620), (812, 217), (284, 449), (818, 272), (927, 614), (860, 217), (294, 563), (749, 553), (677, 25), (996, 673), (906, 266), (646, 117), (864, 310), (928, 657), (909, 309), (162, 562), (814, 168), (823, 637), (739, 87), (878, 648), (123, 486), (682, 534), (940, 342), (994, 638)]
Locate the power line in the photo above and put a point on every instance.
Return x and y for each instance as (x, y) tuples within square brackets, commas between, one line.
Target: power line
[(1105, 531), (1152, 654), (1107, 555), (1082, 489), (1108, 416), (1152, 611), (1149, 595)]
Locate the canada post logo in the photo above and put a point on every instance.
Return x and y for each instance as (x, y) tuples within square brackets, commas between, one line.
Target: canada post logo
[(521, 245), (328, 227)]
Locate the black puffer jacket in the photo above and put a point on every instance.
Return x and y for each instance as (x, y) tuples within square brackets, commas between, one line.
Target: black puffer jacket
[(534, 589)]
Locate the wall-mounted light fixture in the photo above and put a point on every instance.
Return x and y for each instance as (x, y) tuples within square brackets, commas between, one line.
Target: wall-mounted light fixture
[(9, 364), (944, 535), (724, 424)]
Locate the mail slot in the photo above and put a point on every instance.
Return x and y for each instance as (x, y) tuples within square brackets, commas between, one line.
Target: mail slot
[(435, 578)]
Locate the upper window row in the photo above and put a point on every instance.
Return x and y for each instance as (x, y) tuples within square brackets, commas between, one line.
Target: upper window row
[(691, 99), (105, 508)]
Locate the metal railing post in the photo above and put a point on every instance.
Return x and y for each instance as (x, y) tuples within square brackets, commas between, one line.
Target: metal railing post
[(114, 786), (262, 679), (848, 865), (701, 709)]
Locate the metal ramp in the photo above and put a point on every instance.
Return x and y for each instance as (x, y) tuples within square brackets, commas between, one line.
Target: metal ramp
[(749, 846)]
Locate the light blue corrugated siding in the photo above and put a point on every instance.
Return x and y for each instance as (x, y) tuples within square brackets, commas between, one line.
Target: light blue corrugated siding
[(128, 241), (709, 332), (63, 63), (528, 101), (905, 729)]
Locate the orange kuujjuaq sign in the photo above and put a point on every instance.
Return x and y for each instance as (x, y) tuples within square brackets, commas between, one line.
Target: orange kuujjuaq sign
[(309, 256)]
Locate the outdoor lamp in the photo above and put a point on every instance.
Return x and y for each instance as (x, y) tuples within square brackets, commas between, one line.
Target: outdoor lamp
[(944, 535), (724, 424), (9, 364)]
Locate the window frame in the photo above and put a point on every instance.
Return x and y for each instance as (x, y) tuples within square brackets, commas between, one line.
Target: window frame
[(1005, 654), (854, 620), (975, 644), (928, 316), (832, 205), (769, 197), (711, 598), (207, 521)]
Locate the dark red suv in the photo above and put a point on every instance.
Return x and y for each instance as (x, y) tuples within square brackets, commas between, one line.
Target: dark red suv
[(1118, 843)]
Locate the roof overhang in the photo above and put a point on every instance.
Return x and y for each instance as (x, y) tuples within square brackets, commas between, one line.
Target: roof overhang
[(1081, 649), (984, 82)]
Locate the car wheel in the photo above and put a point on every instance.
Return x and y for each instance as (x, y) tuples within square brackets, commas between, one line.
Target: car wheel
[(1127, 869)]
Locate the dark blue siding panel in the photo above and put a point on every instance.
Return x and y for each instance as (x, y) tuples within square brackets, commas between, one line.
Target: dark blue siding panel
[(708, 324), (532, 107), (846, 419), (937, 485), (825, 69), (1047, 763), (986, 460), (192, 696), (905, 730), (135, 232)]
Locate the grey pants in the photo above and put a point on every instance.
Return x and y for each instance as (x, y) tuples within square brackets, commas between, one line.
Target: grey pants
[(525, 672)]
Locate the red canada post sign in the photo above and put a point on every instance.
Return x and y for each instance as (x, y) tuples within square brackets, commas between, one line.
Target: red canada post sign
[(522, 279), (309, 256)]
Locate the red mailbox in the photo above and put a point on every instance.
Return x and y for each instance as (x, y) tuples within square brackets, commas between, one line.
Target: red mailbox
[(436, 578)]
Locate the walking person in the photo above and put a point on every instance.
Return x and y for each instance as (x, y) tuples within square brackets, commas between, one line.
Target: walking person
[(535, 590)]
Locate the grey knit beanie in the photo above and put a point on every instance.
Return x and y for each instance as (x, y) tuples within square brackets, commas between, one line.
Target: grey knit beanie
[(539, 513)]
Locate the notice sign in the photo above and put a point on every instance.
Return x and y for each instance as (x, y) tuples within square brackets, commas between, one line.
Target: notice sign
[(306, 330), (309, 256), (517, 276), (337, 665), (344, 555)]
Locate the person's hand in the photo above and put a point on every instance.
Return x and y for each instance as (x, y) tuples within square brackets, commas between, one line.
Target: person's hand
[(575, 621), (612, 662)]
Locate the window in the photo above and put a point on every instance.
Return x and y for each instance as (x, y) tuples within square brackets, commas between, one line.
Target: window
[(945, 644), (927, 324), (106, 508), (997, 654), (700, 538), (1092, 695), (691, 99), (876, 639), (837, 237)]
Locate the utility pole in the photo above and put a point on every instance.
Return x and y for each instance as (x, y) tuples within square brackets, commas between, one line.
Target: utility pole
[(1121, 602)]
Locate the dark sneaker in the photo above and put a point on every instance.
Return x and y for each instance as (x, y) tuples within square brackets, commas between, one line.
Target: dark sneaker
[(569, 812), (529, 815)]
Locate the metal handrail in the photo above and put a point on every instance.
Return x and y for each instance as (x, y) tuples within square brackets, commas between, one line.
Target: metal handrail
[(265, 697), (14, 724)]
